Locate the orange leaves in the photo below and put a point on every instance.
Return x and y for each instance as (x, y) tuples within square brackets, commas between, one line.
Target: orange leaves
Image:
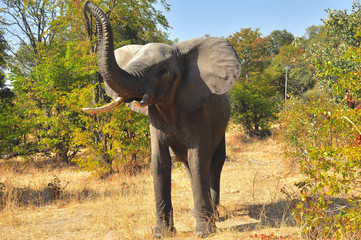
[(357, 140), (252, 50)]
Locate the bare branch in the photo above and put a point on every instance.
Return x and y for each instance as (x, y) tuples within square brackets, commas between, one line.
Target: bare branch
[(20, 59)]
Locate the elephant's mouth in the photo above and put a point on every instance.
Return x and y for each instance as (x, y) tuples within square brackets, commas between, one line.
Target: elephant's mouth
[(137, 99), (142, 102)]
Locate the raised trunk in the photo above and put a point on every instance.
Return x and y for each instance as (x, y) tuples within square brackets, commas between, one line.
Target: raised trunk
[(126, 85)]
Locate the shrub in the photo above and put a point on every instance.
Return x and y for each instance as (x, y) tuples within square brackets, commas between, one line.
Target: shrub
[(112, 141), (254, 105), (324, 138)]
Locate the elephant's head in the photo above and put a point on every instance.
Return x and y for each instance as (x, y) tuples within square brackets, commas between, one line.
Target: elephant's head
[(182, 75)]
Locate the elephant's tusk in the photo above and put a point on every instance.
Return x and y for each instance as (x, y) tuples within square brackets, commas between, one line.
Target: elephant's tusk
[(108, 107), (144, 101)]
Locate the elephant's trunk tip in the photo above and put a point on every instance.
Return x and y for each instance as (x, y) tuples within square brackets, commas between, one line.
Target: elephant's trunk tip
[(86, 3), (86, 6)]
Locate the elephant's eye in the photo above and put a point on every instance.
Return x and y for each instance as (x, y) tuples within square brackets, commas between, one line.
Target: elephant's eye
[(163, 71)]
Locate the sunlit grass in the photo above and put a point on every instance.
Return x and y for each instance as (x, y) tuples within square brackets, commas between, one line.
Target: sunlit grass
[(122, 206)]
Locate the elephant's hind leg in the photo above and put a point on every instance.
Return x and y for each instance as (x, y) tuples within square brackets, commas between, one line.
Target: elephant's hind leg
[(215, 171)]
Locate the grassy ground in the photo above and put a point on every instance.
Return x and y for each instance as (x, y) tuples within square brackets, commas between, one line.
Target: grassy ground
[(73, 205)]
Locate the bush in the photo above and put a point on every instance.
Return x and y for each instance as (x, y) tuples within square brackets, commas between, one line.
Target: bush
[(254, 105), (324, 138), (113, 141)]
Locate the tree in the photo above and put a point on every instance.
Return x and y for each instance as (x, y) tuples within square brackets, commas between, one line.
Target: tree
[(5, 92), (300, 73), (252, 51), (254, 98), (278, 39), (52, 60), (254, 105), (137, 24), (313, 32), (6, 96), (342, 26), (30, 22), (327, 46)]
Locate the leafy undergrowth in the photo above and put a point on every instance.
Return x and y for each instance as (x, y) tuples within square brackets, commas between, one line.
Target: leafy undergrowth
[(42, 202), (324, 138)]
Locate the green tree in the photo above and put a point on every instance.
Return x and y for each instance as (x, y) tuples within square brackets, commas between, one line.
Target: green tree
[(300, 74), (252, 51), (254, 98), (254, 105), (342, 26), (278, 39), (31, 24), (5, 92), (313, 32), (6, 95), (111, 140), (53, 62), (326, 48)]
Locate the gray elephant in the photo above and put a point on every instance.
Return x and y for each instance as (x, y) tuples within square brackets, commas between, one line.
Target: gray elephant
[(183, 89)]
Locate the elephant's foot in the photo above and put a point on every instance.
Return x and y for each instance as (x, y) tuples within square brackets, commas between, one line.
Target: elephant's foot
[(205, 228), (164, 231)]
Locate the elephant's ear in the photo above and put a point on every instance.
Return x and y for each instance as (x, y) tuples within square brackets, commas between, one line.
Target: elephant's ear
[(210, 66), (123, 55)]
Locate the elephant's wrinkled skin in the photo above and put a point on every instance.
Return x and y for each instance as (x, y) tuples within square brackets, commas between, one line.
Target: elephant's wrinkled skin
[(183, 90)]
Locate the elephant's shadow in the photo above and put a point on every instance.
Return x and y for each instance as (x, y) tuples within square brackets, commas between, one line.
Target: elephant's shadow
[(275, 215)]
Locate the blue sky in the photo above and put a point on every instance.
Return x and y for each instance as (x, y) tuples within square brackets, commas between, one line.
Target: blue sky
[(195, 18)]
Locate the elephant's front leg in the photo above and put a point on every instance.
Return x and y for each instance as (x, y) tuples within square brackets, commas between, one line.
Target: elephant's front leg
[(199, 164), (161, 170)]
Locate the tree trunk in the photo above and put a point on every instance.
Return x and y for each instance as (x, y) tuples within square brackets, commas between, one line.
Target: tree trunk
[(62, 153)]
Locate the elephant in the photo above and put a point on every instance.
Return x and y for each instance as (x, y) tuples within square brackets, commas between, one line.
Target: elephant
[(183, 90)]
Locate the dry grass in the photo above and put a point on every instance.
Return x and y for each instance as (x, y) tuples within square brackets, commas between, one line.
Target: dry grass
[(122, 207)]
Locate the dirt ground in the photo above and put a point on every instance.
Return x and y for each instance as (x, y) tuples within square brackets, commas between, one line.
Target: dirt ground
[(43, 202)]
